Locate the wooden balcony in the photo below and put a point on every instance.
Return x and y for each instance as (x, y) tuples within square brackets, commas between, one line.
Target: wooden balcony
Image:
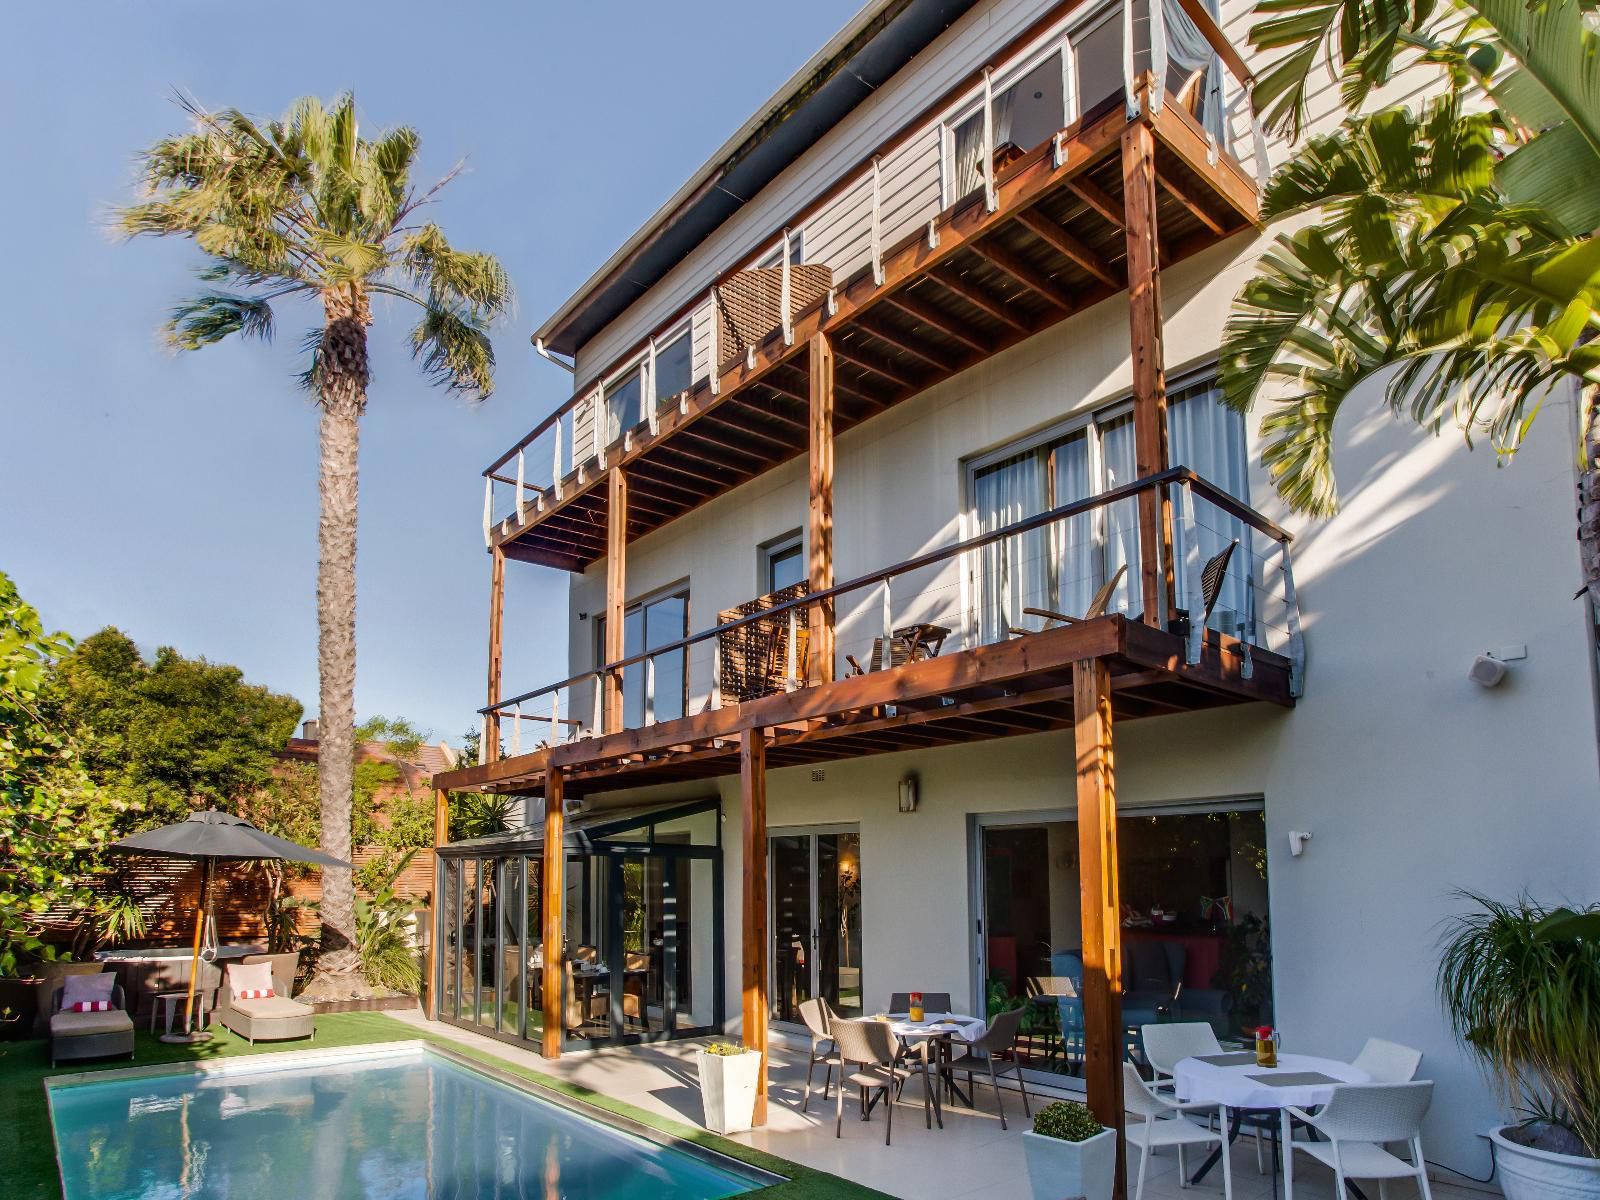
[(973, 283)]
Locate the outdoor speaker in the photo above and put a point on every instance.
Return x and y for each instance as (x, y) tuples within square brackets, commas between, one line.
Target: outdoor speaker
[(1487, 671)]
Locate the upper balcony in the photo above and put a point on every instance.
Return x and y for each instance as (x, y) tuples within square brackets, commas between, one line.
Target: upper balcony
[(949, 247)]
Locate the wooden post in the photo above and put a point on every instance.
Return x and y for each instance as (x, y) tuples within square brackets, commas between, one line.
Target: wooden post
[(819, 533), (1101, 907), (616, 590), (753, 792), (441, 836), (497, 614), (1149, 371), (551, 881)]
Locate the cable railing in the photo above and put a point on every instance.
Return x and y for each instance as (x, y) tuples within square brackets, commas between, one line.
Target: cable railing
[(1004, 583), (580, 438)]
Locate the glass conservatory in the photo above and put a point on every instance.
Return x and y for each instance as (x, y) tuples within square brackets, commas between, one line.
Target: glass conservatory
[(643, 917)]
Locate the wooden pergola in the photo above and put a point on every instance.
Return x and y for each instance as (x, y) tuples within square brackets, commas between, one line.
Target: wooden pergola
[(1099, 209)]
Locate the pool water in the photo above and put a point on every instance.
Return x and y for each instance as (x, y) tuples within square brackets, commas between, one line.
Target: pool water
[(418, 1127)]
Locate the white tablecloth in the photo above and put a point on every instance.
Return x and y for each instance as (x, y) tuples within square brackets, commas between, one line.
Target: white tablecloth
[(1206, 1083), (966, 1029)]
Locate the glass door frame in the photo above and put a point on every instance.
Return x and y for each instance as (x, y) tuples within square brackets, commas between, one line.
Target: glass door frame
[(978, 823), (814, 958)]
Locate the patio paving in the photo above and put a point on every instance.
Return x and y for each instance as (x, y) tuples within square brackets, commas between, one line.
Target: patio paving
[(971, 1157)]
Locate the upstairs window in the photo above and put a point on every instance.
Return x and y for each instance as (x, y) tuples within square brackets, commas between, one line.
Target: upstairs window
[(674, 367), (623, 393), (1026, 111), (653, 689), (785, 563)]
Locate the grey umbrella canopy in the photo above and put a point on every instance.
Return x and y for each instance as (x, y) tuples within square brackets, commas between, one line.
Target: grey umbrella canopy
[(208, 836), (213, 834)]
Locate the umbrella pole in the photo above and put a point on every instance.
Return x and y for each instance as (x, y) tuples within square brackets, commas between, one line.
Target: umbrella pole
[(189, 1034)]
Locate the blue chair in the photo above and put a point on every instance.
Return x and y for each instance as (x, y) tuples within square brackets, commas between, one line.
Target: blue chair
[(1069, 965)]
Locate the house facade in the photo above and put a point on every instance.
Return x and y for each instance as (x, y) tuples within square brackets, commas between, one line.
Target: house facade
[(933, 626)]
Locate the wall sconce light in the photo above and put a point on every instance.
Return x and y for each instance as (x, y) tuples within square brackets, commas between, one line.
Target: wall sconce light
[(1297, 842), (1489, 668), (908, 794)]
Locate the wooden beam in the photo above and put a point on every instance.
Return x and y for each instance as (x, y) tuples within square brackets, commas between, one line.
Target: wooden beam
[(873, 363), (950, 326), (1074, 250), (819, 532), (1182, 196), (1181, 135), (1026, 274), (497, 613), (1100, 905), (949, 279), (552, 890), (616, 591), (1097, 198), (1212, 32), (753, 796), (873, 324), (1149, 371)]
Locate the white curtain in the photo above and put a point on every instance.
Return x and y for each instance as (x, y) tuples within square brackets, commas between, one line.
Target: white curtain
[(1208, 438), (1014, 573), (1077, 555), (1187, 49), (1122, 518), (967, 160)]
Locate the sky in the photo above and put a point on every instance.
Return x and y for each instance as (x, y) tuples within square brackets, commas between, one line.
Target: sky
[(174, 496)]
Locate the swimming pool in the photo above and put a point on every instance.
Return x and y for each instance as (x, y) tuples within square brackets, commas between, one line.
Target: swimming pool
[(401, 1123)]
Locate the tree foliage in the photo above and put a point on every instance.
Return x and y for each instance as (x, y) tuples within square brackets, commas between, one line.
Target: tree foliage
[(1455, 245), (54, 821), (176, 733)]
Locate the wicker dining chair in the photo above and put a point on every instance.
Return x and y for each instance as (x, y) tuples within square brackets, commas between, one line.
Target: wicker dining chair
[(824, 1049), (1001, 1039), (932, 1002), (870, 1055)]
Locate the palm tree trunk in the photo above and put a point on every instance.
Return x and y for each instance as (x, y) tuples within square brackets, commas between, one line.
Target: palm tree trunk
[(342, 378)]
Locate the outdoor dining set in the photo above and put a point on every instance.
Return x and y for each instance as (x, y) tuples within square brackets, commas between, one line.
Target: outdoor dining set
[(1360, 1119)]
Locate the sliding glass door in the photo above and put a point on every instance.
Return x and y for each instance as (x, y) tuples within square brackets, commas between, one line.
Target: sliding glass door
[(1193, 883), (815, 918)]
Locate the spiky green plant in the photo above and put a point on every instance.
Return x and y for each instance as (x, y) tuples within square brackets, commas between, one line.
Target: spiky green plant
[(306, 209), (1455, 244), (1528, 1007), (384, 936)]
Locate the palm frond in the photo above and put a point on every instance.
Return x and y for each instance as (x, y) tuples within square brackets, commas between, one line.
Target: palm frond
[(452, 346), (211, 316)]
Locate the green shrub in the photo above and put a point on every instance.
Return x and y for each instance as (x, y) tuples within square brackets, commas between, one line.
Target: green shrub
[(1067, 1120), (383, 936), (726, 1049)]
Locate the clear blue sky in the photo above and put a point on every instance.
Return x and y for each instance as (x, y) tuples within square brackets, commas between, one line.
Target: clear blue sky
[(175, 497)]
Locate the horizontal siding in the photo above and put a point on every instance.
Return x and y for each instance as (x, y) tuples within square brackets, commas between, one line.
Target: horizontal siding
[(967, 45)]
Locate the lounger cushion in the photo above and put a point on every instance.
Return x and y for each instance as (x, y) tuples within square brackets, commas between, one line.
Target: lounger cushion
[(79, 988), (256, 977), (271, 1007), (77, 1024)]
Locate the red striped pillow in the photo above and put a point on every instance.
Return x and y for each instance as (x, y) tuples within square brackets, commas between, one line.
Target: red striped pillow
[(92, 1006), (255, 993)]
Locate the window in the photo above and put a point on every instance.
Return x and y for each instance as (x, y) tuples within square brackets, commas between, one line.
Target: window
[(654, 689), (1097, 56), (674, 372), (783, 563), (1026, 112), (1060, 567), (623, 409)]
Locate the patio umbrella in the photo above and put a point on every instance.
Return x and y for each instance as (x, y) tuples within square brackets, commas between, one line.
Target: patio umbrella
[(208, 836)]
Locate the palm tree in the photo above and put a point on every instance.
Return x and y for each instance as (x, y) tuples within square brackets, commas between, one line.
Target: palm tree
[(1456, 244), (306, 208)]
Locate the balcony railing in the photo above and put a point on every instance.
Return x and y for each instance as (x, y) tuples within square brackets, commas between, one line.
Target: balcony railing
[(979, 590), (576, 442)]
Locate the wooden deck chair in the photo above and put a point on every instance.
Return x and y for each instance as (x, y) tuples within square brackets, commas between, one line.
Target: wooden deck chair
[(1212, 576), (1097, 607)]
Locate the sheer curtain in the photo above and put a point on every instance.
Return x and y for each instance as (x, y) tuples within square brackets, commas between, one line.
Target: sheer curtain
[(1187, 49), (1073, 543), (1208, 438), (967, 160), (1014, 573), (1122, 518)]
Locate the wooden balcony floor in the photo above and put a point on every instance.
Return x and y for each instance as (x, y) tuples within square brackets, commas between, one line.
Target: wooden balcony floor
[(977, 284), (1002, 690)]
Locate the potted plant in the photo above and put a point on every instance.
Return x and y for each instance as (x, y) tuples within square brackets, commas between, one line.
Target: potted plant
[(1069, 1153), (1520, 985), (728, 1078)]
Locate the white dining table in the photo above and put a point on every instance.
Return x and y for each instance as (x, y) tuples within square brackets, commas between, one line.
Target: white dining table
[(948, 1028), (1298, 1081)]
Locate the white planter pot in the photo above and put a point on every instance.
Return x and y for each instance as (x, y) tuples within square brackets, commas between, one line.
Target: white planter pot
[(1529, 1174), (1058, 1169), (728, 1089)]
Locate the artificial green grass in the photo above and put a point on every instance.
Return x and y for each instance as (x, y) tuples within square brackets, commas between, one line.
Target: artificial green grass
[(27, 1145)]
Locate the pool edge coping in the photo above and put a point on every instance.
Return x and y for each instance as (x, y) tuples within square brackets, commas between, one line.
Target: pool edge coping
[(759, 1177)]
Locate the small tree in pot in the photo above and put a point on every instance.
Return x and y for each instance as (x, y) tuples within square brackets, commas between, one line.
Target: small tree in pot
[(1069, 1153), (1521, 987)]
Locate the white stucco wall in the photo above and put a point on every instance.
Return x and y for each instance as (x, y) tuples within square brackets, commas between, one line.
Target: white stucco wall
[(1413, 781)]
